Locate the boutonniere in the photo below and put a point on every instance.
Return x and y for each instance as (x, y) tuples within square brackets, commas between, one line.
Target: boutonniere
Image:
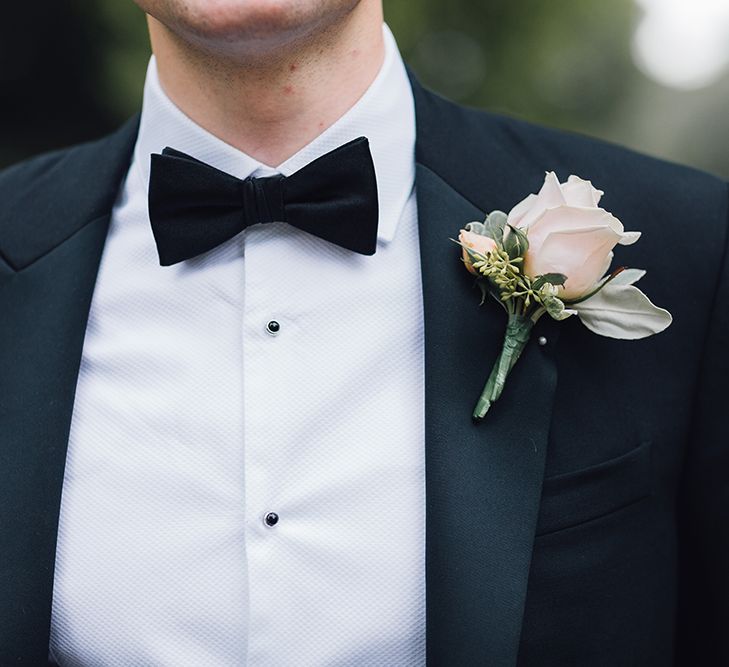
[(550, 256)]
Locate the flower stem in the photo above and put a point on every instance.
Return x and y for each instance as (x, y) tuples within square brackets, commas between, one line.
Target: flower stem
[(518, 329)]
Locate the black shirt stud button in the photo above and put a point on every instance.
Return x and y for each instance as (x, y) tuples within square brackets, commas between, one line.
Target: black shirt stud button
[(271, 519), (273, 327)]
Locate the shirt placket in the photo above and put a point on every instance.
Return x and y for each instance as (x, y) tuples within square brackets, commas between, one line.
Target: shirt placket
[(267, 332)]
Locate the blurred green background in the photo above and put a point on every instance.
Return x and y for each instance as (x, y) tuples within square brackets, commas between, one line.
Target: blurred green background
[(71, 70)]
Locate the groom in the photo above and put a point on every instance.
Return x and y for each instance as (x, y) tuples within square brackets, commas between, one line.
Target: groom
[(226, 443)]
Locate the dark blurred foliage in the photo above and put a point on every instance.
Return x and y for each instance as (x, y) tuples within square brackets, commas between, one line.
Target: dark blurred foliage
[(71, 70), (560, 62)]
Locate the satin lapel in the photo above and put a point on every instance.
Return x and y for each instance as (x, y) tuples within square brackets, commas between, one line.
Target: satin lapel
[(483, 482), (44, 308)]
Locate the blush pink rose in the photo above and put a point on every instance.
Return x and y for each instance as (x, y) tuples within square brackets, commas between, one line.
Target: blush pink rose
[(569, 233), (476, 242)]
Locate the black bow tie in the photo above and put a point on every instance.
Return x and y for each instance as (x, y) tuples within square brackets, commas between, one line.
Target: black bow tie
[(194, 207)]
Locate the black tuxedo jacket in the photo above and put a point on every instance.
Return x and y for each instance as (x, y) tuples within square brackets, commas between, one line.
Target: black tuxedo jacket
[(584, 522)]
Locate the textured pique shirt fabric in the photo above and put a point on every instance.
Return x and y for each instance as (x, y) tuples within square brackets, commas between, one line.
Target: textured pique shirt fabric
[(192, 422)]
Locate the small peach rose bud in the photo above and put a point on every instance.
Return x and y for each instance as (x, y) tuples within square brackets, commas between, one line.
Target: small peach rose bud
[(478, 243)]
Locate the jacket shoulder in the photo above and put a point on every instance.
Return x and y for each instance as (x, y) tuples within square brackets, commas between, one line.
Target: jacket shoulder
[(57, 193), (29, 169), (21, 183), (460, 138)]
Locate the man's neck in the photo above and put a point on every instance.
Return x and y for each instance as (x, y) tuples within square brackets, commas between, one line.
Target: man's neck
[(272, 107)]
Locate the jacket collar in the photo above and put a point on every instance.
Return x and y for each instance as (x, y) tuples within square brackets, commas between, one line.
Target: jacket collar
[(483, 483)]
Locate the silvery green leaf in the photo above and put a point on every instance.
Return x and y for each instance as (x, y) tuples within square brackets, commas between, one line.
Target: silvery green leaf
[(495, 225), (622, 311), (476, 227), (515, 242), (628, 277), (556, 309)]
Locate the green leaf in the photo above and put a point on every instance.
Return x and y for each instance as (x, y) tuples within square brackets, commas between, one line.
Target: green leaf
[(515, 242), (475, 256), (483, 286), (487, 289), (556, 309), (557, 279), (495, 225)]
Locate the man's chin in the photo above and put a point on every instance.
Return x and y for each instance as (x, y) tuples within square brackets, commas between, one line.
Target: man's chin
[(246, 26)]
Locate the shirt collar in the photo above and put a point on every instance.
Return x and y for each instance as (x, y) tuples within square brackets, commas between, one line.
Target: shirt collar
[(385, 114)]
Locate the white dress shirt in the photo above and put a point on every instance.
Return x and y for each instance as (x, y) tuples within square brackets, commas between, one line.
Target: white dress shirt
[(192, 422)]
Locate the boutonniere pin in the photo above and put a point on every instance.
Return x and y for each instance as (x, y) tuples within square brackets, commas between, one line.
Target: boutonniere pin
[(550, 256)]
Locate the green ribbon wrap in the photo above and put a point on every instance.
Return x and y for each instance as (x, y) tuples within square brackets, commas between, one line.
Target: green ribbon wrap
[(518, 330)]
